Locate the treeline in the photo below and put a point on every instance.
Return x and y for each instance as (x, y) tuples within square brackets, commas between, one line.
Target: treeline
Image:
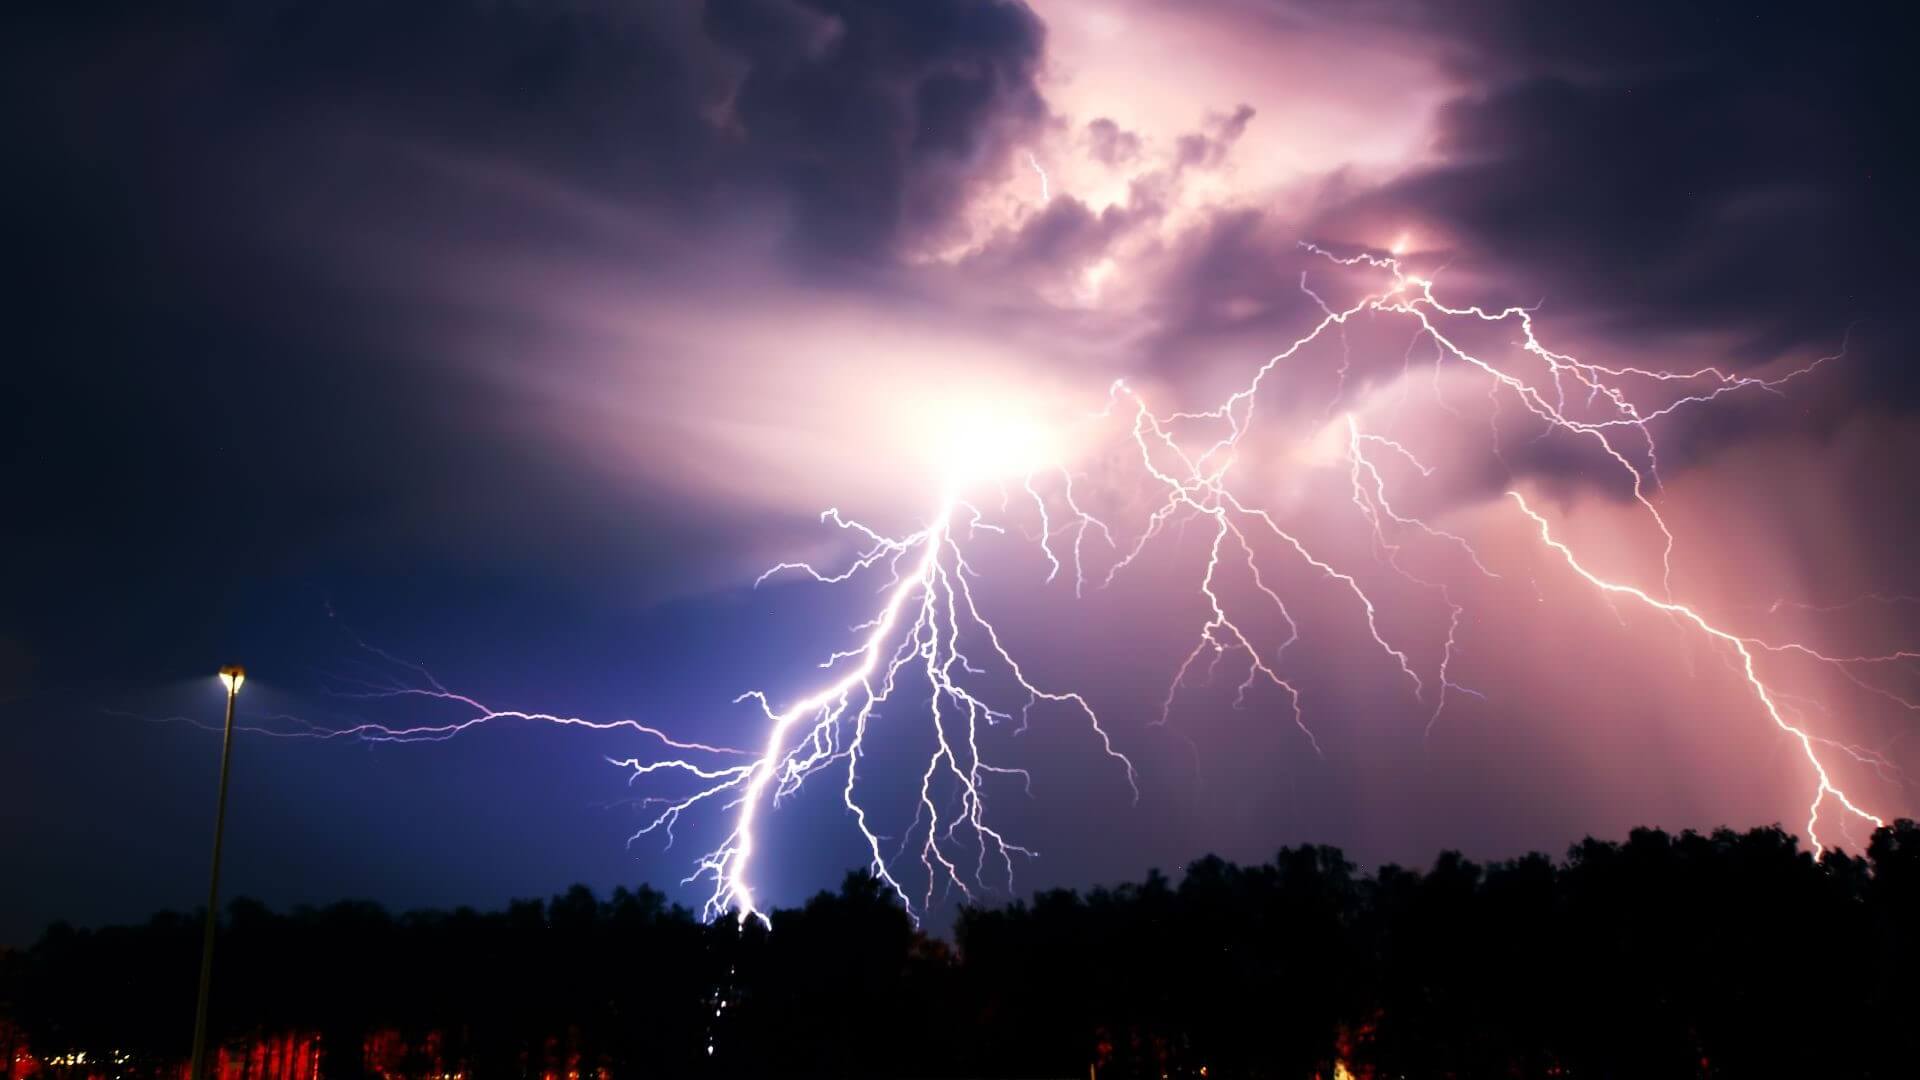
[(1715, 955)]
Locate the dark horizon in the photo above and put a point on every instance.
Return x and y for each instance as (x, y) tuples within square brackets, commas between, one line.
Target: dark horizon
[(1898, 832), (1619, 959)]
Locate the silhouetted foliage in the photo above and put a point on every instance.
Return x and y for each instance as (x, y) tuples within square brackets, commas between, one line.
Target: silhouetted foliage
[(1722, 955)]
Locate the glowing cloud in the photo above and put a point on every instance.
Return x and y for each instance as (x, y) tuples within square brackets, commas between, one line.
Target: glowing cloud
[(929, 637)]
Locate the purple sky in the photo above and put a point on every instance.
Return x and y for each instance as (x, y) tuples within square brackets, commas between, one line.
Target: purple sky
[(521, 340)]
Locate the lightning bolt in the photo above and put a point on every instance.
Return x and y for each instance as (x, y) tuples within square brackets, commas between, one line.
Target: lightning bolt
[(930, 605), (931, 642), (1743, 647), (1046, 186)]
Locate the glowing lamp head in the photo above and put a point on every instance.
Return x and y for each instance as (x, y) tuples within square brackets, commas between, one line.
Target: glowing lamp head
[(232, 676)]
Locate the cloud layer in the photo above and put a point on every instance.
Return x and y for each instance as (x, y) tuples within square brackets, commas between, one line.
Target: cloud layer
[(594, 304)]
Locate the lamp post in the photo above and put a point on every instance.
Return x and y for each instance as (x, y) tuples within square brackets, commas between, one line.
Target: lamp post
[(231, 677)]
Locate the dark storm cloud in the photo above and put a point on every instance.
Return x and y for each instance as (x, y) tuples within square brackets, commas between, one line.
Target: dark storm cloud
[(1110, 143), (1230, 275), (1678, 167), (1678, 185), (1066, 233), (1210, 148), (209, 377), (859, 117), (874, 117)]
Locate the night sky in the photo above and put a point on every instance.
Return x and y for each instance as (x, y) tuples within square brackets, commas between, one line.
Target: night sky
[(516, 340)]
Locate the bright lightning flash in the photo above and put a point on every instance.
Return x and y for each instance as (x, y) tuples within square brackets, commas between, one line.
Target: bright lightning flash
[(930, 640)]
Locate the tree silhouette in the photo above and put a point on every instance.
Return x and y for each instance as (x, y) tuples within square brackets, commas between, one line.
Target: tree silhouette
[(1692, 955)]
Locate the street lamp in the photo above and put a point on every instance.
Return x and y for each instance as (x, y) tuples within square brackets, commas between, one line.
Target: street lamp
[(231, 677)]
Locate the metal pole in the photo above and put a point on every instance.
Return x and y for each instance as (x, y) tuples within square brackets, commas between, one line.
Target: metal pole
[(213, 896)]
